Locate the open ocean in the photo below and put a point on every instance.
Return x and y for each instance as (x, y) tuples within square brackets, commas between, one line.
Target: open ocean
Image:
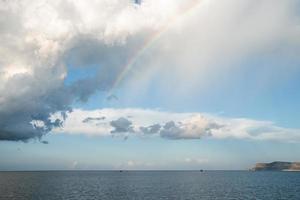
[(115, 185)]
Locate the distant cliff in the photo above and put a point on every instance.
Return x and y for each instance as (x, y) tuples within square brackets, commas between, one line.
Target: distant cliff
[(277, 166)]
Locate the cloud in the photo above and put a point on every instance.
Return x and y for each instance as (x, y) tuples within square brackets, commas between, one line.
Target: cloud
[(92, 119), (44, 142), (169, 125), (192, 128), (215, 41), (138, 1), (195, 161), (181, 163), (42, 42), (136, 165), (153, 129), (121, 125)]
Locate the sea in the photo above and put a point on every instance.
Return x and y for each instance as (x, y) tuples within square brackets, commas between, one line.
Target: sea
[(156, 185)]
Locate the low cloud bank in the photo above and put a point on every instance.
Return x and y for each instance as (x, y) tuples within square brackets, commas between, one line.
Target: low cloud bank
[(170, 125)]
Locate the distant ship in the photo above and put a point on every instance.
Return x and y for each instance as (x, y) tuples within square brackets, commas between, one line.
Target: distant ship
[(201, 170)]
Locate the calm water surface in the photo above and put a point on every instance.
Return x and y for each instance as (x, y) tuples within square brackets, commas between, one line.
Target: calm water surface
[(156, 185)]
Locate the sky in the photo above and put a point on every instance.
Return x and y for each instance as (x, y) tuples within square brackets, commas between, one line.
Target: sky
[(149, 84)]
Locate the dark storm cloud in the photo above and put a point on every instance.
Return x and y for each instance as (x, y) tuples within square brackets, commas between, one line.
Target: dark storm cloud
[(31, 104), (38, 99), (34, 97)]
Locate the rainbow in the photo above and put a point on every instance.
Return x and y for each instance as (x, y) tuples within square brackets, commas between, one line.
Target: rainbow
[(150, 41)]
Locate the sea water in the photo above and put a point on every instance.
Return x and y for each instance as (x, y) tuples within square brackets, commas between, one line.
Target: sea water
[(131, 185)]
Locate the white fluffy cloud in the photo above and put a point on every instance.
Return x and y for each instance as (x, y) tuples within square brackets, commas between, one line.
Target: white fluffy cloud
[(169, 125)]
